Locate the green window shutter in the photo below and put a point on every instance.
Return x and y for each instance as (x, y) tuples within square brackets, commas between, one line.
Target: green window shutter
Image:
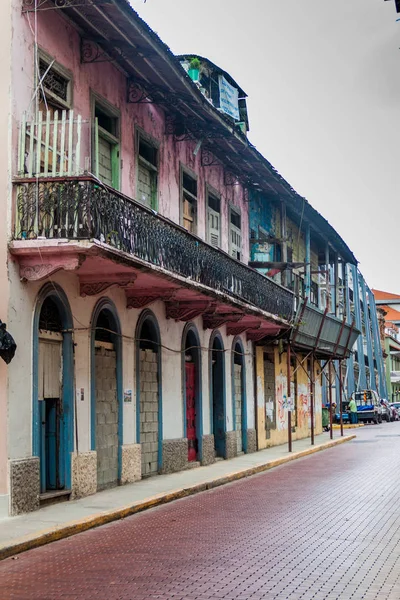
[(115, 166), (96, 147)]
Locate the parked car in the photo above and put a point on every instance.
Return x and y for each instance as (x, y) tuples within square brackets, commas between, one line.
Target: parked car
[(395, 406), (386, 411)]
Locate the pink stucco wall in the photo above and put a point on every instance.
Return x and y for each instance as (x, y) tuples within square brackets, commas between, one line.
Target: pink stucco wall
[(59, 39)]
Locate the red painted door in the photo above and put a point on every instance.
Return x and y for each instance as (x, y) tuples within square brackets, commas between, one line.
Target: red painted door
[(191, 411)]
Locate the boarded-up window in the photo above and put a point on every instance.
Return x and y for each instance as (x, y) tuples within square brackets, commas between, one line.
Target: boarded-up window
[(49, 376)]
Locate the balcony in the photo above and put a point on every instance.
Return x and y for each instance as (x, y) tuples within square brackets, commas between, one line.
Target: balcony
[(394, 376), (323, 333), (54, 211)]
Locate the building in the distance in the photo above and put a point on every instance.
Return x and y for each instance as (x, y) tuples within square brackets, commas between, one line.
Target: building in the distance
[(389, 304)]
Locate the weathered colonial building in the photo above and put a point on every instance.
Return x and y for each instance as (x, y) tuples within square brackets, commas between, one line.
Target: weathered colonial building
[(134, 319), (155, 268), (389, 305)]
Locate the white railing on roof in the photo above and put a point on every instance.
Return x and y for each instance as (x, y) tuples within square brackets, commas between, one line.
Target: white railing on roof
[(54, 145)]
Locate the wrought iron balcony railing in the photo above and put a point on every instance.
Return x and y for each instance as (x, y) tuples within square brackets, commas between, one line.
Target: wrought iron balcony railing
[(80, 208)]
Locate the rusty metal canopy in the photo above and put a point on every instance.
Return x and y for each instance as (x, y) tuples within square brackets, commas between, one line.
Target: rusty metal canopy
[(324, 333)]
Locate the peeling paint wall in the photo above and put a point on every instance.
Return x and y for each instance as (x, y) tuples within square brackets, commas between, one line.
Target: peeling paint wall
[(58, 38), (301, 417)]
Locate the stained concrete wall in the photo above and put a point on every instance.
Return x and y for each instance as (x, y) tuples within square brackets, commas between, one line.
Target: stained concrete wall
[(302, 424)]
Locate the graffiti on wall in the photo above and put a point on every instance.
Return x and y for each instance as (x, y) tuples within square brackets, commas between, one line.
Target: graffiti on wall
[(303, 405)]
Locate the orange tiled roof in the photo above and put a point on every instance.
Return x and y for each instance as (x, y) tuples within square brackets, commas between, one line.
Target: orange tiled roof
[(380, 295), (392, 314)]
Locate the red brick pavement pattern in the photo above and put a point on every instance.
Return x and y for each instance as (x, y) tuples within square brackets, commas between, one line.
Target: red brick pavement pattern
[(324, 527)]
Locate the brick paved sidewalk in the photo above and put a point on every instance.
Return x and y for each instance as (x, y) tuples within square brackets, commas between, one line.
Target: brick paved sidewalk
[(62, 520)]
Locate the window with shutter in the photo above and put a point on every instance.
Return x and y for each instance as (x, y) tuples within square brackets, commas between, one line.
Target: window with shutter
[(189, 202), (106, 142), (147, 173), (214, 220), (235, 234)]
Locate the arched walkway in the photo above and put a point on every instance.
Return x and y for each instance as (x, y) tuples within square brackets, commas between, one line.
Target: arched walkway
[(191, 370), (239, 394), (148, 393), (106, 393), (217, 393), (53, 384)]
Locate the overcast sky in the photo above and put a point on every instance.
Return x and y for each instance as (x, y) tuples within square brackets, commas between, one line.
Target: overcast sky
[(323, 80)]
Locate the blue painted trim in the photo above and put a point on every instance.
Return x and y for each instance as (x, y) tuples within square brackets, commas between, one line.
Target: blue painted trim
[(216, 336), (350, 361), (362, 378), (107, 305), (308, 263), (57, 294), (383, 392), (372, 382), (191, 328), (148, 315), (238, 341)]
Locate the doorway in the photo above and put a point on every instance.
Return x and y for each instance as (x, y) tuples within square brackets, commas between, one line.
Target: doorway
[(53, 379), (192, 382), (148, 394), (106, 373), (218, 395), (238, 383)]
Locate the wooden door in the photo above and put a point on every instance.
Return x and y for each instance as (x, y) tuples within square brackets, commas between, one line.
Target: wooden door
[(51, 411)]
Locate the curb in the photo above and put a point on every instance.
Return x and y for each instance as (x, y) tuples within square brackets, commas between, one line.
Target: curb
[(47, 536)]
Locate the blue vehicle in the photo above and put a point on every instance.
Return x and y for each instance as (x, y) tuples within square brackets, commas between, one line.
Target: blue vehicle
[(369, 409)]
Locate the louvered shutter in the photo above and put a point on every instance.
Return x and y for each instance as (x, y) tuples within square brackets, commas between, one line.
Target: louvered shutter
[(213, 227)]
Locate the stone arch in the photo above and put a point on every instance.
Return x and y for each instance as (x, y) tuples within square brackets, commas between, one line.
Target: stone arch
[(52, 409)]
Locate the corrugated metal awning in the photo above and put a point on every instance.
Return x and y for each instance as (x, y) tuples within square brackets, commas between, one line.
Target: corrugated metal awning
[(324, 333)]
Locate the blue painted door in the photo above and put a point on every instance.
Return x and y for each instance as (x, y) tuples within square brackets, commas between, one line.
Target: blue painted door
[(51, 414)]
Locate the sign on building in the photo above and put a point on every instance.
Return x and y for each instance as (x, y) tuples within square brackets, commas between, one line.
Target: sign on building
[(228, 98)]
